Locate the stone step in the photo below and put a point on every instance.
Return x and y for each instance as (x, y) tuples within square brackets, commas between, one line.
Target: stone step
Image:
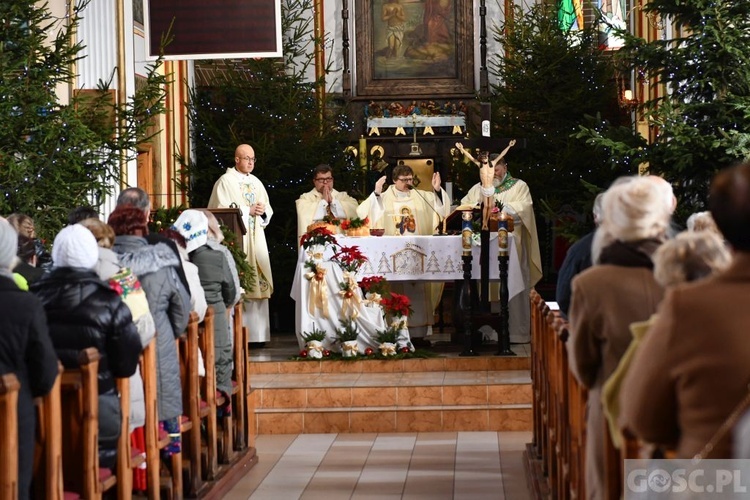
[(392, 402), (364, 365)]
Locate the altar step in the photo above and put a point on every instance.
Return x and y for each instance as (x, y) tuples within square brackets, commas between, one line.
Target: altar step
[(410, 395)]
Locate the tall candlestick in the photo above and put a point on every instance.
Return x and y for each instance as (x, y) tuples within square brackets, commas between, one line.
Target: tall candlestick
[(362, 151)]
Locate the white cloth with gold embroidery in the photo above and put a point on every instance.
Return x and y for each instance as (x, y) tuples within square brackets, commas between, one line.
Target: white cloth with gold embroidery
[(245, 190)]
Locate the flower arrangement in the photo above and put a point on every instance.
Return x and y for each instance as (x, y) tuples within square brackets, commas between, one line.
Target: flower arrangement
[(349, 258), (375, 285), (315, 271), (397, 305), (354, 223), (318, 236)]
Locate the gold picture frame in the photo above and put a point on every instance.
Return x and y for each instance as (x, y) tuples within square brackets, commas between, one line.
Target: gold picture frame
[(412, 48)]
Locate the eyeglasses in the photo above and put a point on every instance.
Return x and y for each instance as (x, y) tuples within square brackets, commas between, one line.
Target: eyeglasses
[(248, 158), (325, 180), (405, 179)]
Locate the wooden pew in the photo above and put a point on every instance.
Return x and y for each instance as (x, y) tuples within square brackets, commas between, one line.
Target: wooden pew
[(9, 387), (240, 378), (156, 440), (208, 389), (191, 443), (80, 405), (47, 479), (536, 372)]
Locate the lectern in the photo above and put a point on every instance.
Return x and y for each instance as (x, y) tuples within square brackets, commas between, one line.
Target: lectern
[(232, 218)]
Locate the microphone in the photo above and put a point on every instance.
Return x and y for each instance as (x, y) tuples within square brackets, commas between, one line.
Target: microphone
[(441, 219)]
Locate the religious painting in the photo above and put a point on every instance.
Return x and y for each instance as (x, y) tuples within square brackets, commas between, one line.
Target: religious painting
[(613, 16), (414, 47)]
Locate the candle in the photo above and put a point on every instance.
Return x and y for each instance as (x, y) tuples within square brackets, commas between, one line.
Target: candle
[(362, 151), (628, 95)]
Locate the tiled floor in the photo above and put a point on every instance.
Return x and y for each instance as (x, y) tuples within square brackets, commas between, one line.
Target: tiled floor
[(461, 465)]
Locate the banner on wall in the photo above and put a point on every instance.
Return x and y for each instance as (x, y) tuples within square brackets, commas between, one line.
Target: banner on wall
[(221, 29)]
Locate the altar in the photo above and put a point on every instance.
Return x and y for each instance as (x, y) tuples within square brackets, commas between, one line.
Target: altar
[(397, 258)]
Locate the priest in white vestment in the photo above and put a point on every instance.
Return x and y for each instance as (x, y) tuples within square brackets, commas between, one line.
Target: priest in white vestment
[(516, 199), (240, 187), (402, 210), (322, 201)]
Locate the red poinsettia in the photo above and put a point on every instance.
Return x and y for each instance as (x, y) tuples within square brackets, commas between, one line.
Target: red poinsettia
[(397, 305), (318, 236), (375, 284), (349, 258), (354, 223)]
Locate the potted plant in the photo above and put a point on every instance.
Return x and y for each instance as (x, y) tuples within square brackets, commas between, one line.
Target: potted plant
[(387, 339), (347, 335), (314, 342)]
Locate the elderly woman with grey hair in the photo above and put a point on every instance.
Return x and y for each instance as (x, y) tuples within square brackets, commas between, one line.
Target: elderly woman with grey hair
[(606, 298)]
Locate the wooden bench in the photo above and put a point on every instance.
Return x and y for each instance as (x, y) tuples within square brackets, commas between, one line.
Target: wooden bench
[(208, 390), (79, 392), (48, 456), (9, 387), (191, 397)]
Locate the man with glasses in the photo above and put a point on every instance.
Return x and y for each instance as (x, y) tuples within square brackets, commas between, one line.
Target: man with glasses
[(387, 210), (323, 201), (240, 187)]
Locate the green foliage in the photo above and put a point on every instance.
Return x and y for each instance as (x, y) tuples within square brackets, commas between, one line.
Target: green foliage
[(390, 334), (315, 334), (347, 331), (55, 157), (269, 104), (551, 83), (703, 123)]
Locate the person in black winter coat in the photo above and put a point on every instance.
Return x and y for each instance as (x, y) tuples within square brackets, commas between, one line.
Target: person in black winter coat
[(82, 311), (25, 350)]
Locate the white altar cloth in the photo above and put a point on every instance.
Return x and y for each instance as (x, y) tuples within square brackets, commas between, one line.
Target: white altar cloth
[(397, 258)]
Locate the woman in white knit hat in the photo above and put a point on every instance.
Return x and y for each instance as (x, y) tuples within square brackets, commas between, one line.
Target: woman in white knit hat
[(218, 284), (82, 311), (25, 350)]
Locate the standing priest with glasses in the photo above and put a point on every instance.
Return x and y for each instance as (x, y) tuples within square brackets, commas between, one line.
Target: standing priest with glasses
[(323, 201), (402, 210)]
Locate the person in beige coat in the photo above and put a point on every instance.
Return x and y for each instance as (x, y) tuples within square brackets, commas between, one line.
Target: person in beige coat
[(692, 370), (606, 298)]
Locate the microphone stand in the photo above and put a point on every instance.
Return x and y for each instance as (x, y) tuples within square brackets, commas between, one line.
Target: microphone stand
[(441, 219)]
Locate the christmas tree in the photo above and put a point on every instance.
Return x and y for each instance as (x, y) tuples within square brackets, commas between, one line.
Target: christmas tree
[(57, 156), (702, 122)]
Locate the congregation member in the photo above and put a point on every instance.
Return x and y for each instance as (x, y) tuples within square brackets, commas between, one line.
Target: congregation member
[(219, 287), (425, 210), (691, 372), (27, 259), (138, 198), (25, 351), (239, 187), (82, 312), (128, 287), (689, 256), (577, 259), (24, 225), (323, 201), (616, 291), (197, 295), (215, 241), (516, 199), (168, 300)]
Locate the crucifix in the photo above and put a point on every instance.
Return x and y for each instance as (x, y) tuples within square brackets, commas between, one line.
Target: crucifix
[(415, 149)]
